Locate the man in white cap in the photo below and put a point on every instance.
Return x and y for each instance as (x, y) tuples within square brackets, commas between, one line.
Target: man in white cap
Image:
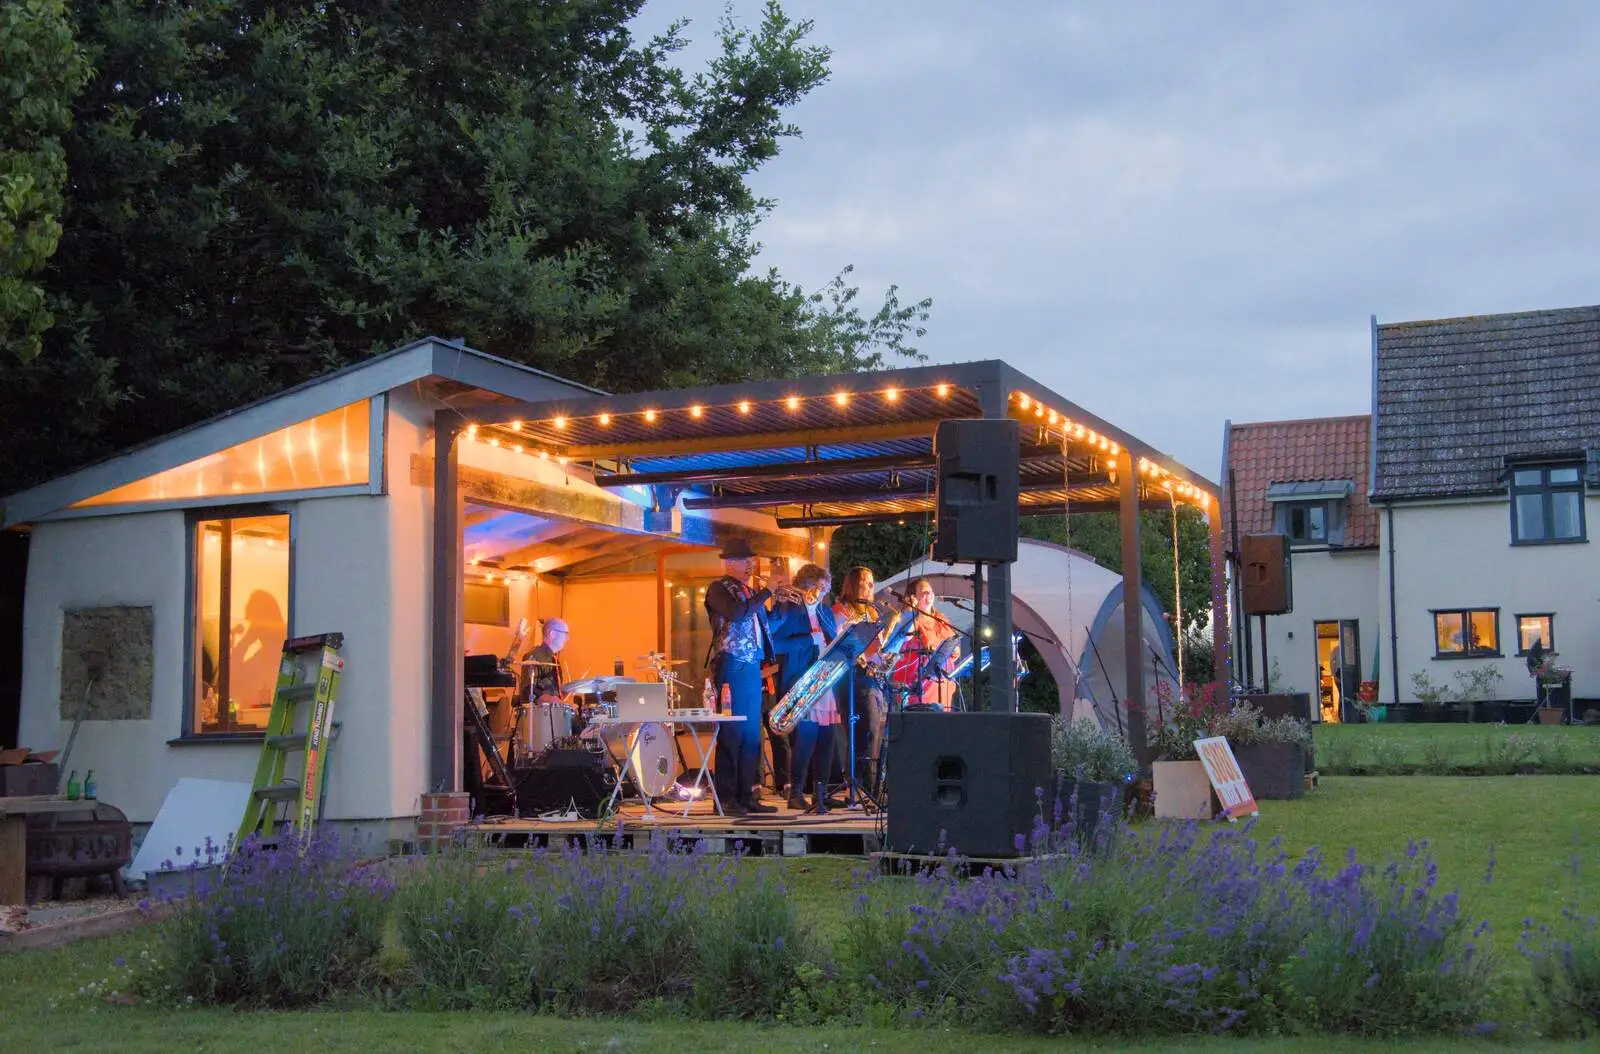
[(740, 643)]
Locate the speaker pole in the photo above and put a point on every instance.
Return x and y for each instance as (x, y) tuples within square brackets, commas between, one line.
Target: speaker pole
[(1266, 667), (1002, 664), (979, 679)]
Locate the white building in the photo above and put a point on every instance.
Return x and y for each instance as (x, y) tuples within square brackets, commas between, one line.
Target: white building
[(1307, 480), (1486, 438)]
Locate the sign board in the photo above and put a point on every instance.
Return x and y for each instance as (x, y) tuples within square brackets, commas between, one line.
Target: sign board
[(1216, 756)]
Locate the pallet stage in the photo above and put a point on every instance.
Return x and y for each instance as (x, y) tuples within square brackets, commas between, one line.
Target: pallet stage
[(783, 833)]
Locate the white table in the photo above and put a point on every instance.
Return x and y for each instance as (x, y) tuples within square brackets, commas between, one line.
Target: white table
[(697, 724)]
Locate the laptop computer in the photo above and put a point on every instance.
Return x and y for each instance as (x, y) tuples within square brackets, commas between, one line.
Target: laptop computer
[(641, 701)]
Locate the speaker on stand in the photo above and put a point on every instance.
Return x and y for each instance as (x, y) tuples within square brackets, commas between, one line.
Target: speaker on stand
[(1267, 585)]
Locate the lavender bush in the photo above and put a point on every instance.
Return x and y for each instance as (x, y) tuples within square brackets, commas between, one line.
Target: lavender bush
[(1566, 968), (601, 933), (1171, 932), (278, 928)]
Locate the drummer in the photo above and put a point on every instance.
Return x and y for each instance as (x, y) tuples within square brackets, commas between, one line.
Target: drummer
[(546, 674)]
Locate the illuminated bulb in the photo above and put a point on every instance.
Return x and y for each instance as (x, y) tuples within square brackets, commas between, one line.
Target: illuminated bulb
[(605, 419), (472, 431), (744, 407), (650, 417), (1115, 449), (489, 577), (1026, 402), (494, 441), (841, 398), (1038, 410), (561, 461), (1078, 431), (792, 402), (544, 455), (696, 411), (516, 426), (942, 390), (475, 561), (822, 545), (560, 422), (892, 395), (516, 447), (1051, 417)]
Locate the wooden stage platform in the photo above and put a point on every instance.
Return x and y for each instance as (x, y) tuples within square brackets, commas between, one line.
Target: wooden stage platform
[(783, 833)]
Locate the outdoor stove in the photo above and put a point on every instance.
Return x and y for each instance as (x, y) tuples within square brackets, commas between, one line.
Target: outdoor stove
[(78, 844)]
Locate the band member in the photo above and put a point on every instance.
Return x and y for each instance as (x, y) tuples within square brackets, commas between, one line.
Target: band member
[(862, 697), (547, 675), (740, 643), (919, 671), (802, 625)]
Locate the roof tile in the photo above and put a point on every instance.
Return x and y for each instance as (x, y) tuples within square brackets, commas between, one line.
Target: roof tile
[(1318, 448)]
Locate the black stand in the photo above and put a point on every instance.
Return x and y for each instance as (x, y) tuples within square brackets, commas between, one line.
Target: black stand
[(502, 782)]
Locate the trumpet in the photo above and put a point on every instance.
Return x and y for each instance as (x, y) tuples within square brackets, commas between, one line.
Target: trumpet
[(787, 594)]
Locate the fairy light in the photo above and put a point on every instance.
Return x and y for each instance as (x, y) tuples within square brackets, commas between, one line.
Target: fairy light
[(544, 455), (494, 441), (1051, 417), (793, 402), (744, 406), (516, 426), (891, 395), (516, 447), (942, 390), (649, 417), (1026, 402), (559, 422), (605, 419), (697, 411), (841, 399)]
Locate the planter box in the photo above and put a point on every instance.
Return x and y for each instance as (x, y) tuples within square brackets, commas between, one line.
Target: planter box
[(1403, 713), (1489, 713), (1274, 705), (1182, 791), (1275, 771), (1549, 715), (1377, 714)]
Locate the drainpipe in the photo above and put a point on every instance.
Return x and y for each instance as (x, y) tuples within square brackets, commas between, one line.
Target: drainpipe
[(1394, 629)]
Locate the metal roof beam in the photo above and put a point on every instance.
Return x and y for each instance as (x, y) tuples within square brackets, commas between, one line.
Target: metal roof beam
[(844, 466), (913, 517), (798, 496)]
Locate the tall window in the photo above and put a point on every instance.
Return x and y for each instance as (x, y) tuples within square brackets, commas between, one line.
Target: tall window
[(1531, 628), (1307, 521), (1464, 632), (1547, 503), (241, 613)]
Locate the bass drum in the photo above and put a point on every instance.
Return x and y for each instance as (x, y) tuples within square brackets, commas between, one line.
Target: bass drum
[(654, 760)]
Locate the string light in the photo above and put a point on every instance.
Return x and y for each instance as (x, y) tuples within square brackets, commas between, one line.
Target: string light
[(1026, 402), (516, 426), (472, 431), (605, 419), (841, 399), (942, 390), (744, 406), (650, 417), (697, 411), (793, 402), (559, 422), (891, 395)]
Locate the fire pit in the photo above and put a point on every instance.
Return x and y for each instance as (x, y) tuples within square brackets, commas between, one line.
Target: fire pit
[(95, 840)]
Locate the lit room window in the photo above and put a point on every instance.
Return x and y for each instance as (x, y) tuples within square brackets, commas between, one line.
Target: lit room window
[(1462, 632), (1547, 503), (241, 619), (1531, 628)]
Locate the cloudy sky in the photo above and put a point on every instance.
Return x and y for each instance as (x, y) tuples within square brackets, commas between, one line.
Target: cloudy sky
[(1178, 213)]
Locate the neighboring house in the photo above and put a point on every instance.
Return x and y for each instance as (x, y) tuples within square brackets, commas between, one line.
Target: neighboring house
[(1486, 432), (1308, 480)]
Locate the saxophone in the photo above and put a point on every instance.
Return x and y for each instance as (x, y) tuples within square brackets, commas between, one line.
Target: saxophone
[(806, 692)]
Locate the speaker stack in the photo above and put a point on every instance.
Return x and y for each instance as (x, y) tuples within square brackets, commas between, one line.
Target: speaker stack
[(975, 513), (966, 782), (1267, 582)]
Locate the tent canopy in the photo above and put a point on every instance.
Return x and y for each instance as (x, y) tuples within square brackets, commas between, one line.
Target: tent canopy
[(1070, 609)]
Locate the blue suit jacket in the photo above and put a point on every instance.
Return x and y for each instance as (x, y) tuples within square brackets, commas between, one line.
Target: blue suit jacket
[(791, 639)]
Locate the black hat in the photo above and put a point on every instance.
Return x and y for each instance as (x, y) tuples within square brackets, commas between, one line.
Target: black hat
[(737, 549)]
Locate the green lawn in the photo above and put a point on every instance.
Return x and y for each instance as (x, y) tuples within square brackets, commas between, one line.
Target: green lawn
[(1439, 749), (1534, 824)]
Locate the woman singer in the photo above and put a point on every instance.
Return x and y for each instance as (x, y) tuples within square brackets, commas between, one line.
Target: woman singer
[(865, 706), (921, 673), (802, 625)]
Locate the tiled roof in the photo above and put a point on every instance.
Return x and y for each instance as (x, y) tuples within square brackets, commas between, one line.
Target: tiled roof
[(1457, 396), (1320, 448)]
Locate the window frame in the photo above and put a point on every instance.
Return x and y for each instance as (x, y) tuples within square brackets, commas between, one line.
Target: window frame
[(192, 519), (1466, 621), (1549, 645), (1333, 521), (1546, 491)]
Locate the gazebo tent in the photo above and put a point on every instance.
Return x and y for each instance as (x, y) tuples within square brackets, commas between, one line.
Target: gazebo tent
[(1070, 608)]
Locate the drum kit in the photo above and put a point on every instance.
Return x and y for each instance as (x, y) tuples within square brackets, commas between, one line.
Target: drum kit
[(651, 759)]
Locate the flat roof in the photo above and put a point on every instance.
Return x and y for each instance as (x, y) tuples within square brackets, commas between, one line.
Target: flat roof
[(843, 448)]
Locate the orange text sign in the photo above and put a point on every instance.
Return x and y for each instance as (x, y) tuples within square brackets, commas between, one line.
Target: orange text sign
[(1232, 791)]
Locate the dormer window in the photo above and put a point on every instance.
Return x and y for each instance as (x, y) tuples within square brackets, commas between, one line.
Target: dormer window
[(1311, 513), (1547, 503)]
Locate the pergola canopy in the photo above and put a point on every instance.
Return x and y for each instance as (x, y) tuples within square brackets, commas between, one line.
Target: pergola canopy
[(849, 448)]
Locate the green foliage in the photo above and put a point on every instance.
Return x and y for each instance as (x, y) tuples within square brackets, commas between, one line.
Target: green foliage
[(263, 189), (1082, 750), (41, 69)]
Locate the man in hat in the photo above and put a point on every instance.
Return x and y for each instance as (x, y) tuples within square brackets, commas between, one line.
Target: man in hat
[(740, 643), (546, 674)]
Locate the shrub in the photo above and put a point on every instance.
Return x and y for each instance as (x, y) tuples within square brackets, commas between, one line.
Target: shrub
[(1174, 933), (279, 928), (1566, 969), (1082, 750), (602, 932)]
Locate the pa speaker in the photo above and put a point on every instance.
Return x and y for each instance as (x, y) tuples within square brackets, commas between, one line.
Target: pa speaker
[(967, 782), (975, 515), (1268, 588)]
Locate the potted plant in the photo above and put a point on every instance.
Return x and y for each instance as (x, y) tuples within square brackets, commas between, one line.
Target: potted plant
[(1433, 697), (1272, 753), (1555, 689), (1182, 789), (1094, 767), (1368, 692), (1372, 711), (1475, 687)]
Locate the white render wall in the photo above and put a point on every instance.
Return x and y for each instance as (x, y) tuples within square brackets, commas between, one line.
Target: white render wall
[(1459, 555), (1329, 586)]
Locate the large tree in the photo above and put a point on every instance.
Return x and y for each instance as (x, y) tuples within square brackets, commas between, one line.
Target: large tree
[(262, 189), (41, 69)]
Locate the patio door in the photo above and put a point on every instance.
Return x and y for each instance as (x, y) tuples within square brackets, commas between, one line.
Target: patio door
[(1338, 667), (1349, 666)]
